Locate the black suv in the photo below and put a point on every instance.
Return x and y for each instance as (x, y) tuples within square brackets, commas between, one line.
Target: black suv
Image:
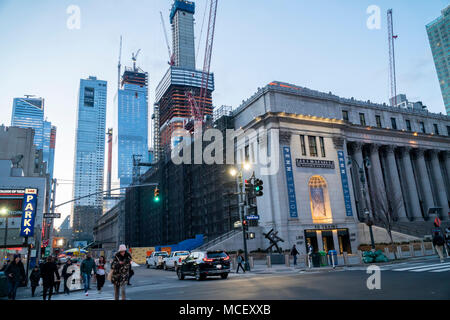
[(205, 263)]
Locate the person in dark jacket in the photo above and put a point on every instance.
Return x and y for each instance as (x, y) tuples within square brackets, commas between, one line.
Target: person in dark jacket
[(294, 252), (240, 261), (121, 270), (48, 273), (34, 279), (438, 242), (66, 275), (87, 267), (57, 279), (15, 273)]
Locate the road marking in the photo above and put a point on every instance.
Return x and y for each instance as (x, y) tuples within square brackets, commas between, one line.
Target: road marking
[(441, 270), (422, 266)]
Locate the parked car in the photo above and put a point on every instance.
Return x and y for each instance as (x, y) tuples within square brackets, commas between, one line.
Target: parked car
[(202, 264), (156, 259), (175, 259)]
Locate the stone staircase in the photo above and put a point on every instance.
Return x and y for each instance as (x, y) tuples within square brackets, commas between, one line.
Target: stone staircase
[(418, 229)]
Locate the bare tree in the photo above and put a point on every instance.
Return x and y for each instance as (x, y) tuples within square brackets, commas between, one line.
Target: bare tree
[(385, 209)]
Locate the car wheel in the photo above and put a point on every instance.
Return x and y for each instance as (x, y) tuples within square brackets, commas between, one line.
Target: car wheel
[(164, 266), (224, 275), (180, 275), (154, 264), (148, 266), (198, 275)]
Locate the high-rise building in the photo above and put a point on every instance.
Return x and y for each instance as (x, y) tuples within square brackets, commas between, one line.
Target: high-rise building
[(89, 157), (131, 124), (438, 33), (174, 109), (182, 21), (29, 113)]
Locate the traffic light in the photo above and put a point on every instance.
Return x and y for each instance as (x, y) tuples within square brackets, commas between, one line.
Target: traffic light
[(250, 235), (258, 187), (156, 195), (245, 225), (248, 186)]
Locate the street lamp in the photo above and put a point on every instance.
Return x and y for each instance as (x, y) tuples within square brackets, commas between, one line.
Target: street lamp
[(367, 217), (238, 174), (4, 212)]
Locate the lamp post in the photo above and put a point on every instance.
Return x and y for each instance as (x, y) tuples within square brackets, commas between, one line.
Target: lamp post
[(238, 174), (5, 212), (367, 216)]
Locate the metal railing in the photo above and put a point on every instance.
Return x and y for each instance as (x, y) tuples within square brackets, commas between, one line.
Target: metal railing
[(221, 238)]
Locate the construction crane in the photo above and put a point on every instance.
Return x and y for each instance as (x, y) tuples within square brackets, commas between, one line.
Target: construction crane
[(134, 58), (119, 66), (198, 108), (391, 38), (171, 55)]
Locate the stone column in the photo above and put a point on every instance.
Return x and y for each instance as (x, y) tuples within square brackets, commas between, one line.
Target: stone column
[(319, 240), (396, 196), (439, 184), (412, 193), (446, 155), (358, 156), (424, 180), (376, 182)]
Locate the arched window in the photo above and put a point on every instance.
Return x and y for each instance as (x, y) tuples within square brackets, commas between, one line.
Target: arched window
[(320, 202)]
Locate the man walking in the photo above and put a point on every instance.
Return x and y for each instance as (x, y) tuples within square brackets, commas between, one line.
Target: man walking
[(309, 250), (438, 242), (66, 275), (294, 253), (240, 261), (87, 268), (48, 273)]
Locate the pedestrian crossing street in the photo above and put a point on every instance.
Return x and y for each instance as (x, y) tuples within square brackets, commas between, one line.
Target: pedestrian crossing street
[(422, 267)]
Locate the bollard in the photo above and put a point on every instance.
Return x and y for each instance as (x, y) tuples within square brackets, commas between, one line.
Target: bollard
[(360, 257), (287, 262), (399, 251), (345, 254), (411, 250), (332, 261), (234, 265), (269, 263), (252, 262), (422, 248), (386, 252)]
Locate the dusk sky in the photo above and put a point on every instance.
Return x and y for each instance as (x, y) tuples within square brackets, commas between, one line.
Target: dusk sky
[(323, 45)]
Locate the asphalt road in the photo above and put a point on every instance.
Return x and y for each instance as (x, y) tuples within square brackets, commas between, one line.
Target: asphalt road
[(348, 284)]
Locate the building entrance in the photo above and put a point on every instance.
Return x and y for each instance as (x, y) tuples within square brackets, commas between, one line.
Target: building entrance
[(326, 240)]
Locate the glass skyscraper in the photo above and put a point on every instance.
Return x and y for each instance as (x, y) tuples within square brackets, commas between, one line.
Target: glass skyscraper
[(29, 113), (438, 33), (131, 124), (89, 157)]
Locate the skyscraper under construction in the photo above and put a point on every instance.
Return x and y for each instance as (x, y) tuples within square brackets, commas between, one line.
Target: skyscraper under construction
[(181, 77)]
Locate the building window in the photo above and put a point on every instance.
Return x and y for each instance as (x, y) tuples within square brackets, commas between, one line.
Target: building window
[(408, 125), (362, 119), (312, 146), (422, 127), (89, 97), (436, 129), (319, 198), (378, 120), (345, 115), (322, 146), (303, 146), (394, 123)]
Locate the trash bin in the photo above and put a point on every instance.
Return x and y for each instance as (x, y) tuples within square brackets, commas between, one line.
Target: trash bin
[(333, 255), (3, 285), (315, 257), (323, 258)]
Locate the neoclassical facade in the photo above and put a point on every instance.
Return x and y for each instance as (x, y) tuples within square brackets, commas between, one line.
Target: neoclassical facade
[(342, 161)]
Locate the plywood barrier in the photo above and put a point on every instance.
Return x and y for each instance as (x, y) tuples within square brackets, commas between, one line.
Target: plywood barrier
[(140, 254)]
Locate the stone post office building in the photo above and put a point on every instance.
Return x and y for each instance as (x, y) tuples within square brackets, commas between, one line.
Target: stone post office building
[(316, 195)]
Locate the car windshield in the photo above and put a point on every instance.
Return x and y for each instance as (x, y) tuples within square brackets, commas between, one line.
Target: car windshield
[(213, 255), (182, 253), (161, 254)]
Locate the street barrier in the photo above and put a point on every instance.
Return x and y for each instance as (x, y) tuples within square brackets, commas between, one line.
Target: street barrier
[(268, 261), (422, 248), (286, 260), (411, 250), (399, 252), (345, 254), (387, 253), (251, 262)]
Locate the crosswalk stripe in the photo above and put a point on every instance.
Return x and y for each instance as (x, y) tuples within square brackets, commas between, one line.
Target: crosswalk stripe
[(441, 270), (422, 266), (429, 268)]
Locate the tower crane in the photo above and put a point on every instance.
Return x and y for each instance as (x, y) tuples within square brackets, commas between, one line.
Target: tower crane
[(171, 55), (119, 66), (391, 38), (197, 109), (134, 57)]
